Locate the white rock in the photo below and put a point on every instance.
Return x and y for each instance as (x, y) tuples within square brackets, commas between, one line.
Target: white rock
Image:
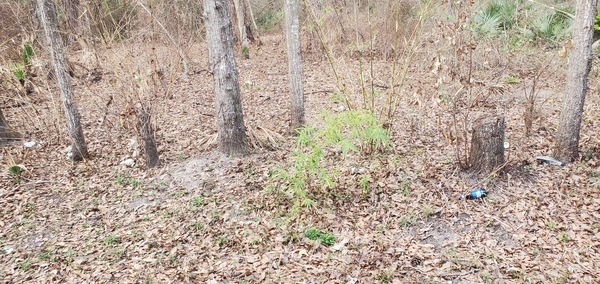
[(132, 143), (128, 162), (29, 144), (67, 150), (8, 249)]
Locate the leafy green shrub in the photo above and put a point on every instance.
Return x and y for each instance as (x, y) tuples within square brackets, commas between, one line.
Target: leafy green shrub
[(310, 172), (326, 239), (313, 233)]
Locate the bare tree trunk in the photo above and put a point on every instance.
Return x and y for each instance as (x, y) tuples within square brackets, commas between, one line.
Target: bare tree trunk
[(580, 63), (48, 18), (146, 133), (232, 140), (292, 31), (240, 12), (487, 145)]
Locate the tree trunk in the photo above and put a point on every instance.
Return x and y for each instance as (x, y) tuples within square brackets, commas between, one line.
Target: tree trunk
[(240, 12), (487, 145), (231, 131), (292, 28), (580, 63), (146, 133), (47, 14)]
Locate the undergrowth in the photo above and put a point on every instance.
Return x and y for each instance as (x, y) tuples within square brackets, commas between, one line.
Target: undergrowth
[(521, 21), (315, 162)]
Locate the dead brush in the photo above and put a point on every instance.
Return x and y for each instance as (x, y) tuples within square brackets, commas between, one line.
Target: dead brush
[(358, 40), (471, 94), (530, 113), (258, 138)]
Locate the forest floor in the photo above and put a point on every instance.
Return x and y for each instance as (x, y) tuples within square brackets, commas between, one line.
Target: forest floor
[(202, 218)]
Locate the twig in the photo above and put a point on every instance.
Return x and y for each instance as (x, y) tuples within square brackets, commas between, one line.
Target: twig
[(555, 9), (457, 274), (175, 43)]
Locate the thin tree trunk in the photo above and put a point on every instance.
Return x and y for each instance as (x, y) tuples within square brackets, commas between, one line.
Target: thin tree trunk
[(580, 63), (292, 28), (240, 12), (47, 14), (232, 140)]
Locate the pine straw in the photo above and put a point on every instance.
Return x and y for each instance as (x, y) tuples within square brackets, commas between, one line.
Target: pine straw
[(260, 138)]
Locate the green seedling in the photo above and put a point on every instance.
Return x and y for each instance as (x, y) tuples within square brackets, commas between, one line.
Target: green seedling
[(15, 171), (110, 240)]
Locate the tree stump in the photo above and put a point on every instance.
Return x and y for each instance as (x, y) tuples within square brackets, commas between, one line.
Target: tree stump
[(6, 134), (487, 145), (146, 134)]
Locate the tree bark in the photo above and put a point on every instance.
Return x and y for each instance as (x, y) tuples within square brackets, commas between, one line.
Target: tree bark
[(47, 14), (146, 133), (6, 133), (240, 12), (487, 145), (292, 31), (580, 63), (232, 140)]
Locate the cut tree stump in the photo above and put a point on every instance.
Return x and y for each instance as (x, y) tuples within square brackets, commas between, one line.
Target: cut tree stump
[(7, 135), (146, 134), (487, 145)]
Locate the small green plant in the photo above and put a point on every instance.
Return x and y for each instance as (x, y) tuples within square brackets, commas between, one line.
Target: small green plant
[(511, 79), (44, 255), (404, 188), (551, 225), (562, 236), (223, 240), (326, 239), (24, 265), (198, 226), (385, 276), (313, 233), (19, 72), (427, 210), (15, 171), (486, 277), (127, 180), (27, 53), (356, 132), (111, 240), (408, 219), (364, 182), (197, 200)]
